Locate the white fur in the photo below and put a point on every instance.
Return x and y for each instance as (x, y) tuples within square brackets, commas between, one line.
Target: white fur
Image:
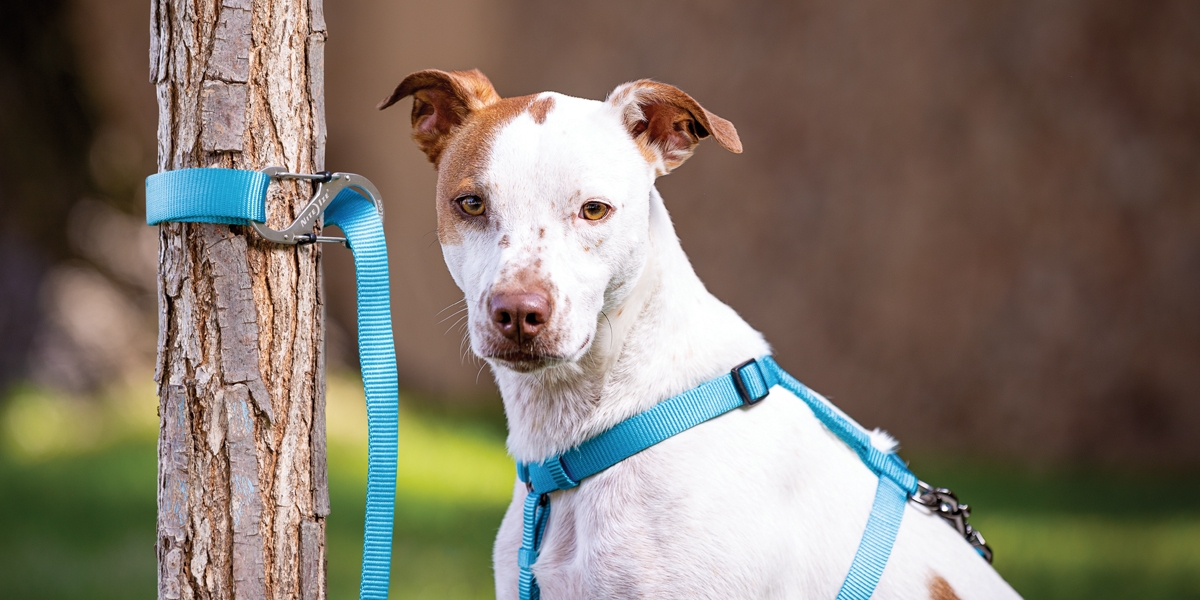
[(758, 503)]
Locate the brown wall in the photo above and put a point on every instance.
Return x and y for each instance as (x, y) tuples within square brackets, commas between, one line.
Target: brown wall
[(975, 224)]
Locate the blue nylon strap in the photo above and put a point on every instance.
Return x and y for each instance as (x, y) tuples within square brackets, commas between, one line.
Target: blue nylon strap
[(667, 418), (537, 514), (697, 405), (884, 464), (876, 544), (228, 196), (237, 197), (360, 221)]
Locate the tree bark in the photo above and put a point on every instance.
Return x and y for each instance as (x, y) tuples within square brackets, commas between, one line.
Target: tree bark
[(242, 496)]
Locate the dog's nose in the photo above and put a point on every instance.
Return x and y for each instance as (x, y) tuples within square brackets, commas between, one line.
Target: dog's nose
[(520, 316)]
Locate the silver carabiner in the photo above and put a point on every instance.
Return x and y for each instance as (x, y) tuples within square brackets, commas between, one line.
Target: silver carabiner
[(329, 185)]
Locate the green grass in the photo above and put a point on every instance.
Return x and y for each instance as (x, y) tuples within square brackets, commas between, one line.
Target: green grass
[(77, 511), (1084, 533)]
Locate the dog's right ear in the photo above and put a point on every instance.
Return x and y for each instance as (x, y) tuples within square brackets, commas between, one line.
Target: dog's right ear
[(442, 100)]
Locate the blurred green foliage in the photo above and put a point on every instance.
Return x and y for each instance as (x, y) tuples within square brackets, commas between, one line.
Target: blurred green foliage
[(77, 514)]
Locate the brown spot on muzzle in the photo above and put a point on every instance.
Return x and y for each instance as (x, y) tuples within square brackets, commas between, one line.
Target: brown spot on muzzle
[(939, 589)]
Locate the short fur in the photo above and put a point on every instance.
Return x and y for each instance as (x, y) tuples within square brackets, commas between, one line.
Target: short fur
[(759, 503)]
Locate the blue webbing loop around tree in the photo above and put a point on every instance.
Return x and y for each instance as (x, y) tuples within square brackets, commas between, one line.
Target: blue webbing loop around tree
[(745, 385), (238, 197), (225, 196)]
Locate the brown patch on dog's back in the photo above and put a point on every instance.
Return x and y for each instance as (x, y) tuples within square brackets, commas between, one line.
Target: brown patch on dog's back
[(939, 589), (540, 108)]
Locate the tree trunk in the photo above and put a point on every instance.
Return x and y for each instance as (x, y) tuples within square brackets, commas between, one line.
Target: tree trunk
[(242, 497)]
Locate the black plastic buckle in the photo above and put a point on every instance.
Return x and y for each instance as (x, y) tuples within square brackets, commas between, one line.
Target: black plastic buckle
[(743, 390)]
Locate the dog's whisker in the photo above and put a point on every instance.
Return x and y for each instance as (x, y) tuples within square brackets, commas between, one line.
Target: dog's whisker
[(433, 241), (451, 305), (464, 348), (453, 314), (460, 320), (610, 330)]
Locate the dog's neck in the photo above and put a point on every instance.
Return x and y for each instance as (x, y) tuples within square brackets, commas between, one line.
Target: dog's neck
[(667, 335)]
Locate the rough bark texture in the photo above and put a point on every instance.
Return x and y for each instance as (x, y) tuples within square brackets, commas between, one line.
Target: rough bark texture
[(242, 493)]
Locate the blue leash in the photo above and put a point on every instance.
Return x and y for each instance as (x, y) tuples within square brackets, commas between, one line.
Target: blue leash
[(352, 203), (746, 385)]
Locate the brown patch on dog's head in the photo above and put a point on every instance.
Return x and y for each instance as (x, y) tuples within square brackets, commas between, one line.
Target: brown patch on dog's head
[(442, 102), (455, 117), (464, 159), (939, 589), (540, 108), (667, 123)]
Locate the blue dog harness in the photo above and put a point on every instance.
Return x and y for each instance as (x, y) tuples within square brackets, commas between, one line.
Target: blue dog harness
[(236, 197), (746, 385)]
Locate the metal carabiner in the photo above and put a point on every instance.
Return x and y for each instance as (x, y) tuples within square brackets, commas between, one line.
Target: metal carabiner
[(944, 503), (329, 185)]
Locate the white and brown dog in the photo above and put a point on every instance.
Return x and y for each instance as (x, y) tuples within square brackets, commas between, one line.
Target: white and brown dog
[(582, 301)]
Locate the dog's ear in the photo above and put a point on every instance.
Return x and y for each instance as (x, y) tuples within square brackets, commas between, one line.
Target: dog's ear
[(442, 100), (667, 123)]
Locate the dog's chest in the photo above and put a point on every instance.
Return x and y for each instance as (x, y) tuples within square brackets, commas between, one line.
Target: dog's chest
[(735, 507)]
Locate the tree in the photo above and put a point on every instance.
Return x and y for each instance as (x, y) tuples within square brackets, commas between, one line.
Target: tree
[(242, 494)]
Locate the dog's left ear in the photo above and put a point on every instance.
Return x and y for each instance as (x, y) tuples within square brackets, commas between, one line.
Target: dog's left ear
[(667, 123)]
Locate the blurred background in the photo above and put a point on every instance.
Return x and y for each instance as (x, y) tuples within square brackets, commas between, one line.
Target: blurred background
[(976, 225)]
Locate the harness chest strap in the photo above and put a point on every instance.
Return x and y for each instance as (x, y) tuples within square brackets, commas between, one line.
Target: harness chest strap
[(747, 384), (236, 197)]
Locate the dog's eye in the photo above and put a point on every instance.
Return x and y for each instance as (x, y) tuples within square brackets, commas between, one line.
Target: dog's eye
[(472, 205), (594, 211)]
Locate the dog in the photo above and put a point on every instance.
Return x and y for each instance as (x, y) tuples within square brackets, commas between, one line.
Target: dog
[(581, 299)]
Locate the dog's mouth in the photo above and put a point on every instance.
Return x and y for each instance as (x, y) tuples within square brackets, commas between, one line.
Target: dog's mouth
[(525, 361), (529, 359)]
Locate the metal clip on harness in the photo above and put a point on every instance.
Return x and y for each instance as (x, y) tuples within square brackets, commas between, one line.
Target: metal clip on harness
[(329, 185), (945, 504)]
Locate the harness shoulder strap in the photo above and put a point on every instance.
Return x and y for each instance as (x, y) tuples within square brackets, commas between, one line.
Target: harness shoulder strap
[(896, 485), (876, 544)]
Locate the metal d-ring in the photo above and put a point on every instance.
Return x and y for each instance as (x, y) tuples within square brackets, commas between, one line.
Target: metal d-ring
[(329, 185)]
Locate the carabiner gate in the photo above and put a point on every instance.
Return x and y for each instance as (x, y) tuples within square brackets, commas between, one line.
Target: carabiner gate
[(329, 185)]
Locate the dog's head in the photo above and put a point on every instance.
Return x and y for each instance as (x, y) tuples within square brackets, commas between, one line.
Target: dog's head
[(543, 202)]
